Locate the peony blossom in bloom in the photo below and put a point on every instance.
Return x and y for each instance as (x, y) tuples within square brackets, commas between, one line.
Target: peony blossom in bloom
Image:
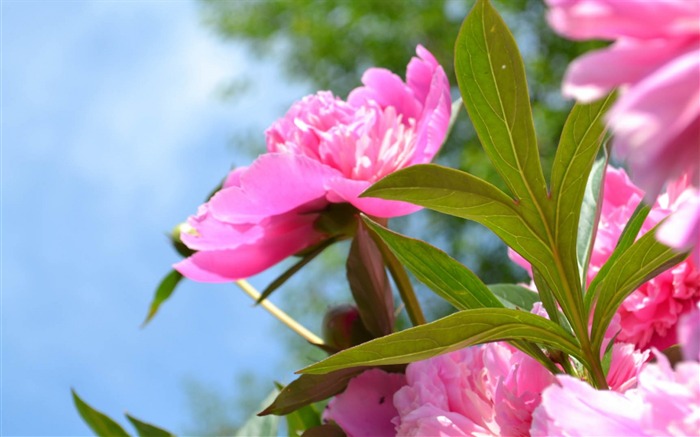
[(487, 390), (665, 402), (324, 151), (648, 317), (484, 390), (365, 408), (655, 60)]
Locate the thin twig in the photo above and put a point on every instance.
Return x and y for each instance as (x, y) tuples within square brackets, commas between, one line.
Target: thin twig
[(279, 314)]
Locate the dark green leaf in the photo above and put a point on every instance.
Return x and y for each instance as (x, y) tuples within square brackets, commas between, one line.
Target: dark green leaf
[(306, 258), (491, 77), (590, 216), (98, 422), (515, 296), (147, 430), (456, 331), (445, 276), (308, 389), (642, 261), (165, 289), (327, 430), (370, 284), (266, 426), (578, 147)]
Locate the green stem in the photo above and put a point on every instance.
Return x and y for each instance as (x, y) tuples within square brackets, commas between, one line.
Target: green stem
[(403, 283)]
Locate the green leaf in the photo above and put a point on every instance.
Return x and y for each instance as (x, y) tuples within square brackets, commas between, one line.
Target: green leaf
[(590, 216), (546, 296), (147, 430), (463, 195), (515, 296), (327, 430), (456, 331), (369, 284), (302, 419), (266, 426), (306, 258), (98, 422), (642, 261), (445, 276), (165, 289), (627, 238), (308, 389), (579, 145), (491, 78)]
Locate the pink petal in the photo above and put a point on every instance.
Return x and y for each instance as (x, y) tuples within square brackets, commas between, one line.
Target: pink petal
[(275, 183), (212, 234), (610, 19), (347, 190), (595, 74), (657, 123), (247, 260), (387, 89), (574, 408), (365, 408), (682, 229), (420, 71), (435, 120)]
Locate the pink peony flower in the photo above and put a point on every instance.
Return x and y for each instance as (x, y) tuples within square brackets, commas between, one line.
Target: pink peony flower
[(648, 317), (689, 334), (484, 390), (487, 390), (665, 402), (655, 59), (323, 151), (365, 408)]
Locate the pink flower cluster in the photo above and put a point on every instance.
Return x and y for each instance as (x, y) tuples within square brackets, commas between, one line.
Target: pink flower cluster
[(494, 389), (665, 402), (323, 151), (655, 61)]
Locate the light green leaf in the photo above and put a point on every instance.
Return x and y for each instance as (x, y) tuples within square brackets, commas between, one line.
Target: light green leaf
[(456, 331), (165, 289), (627, 238), (463, 195), (445, 276), (302, 419), (147, 430), (491, 77), (642, 261), (515, 296), (578, 147), (98, 422), (590, 216), (265, 426)]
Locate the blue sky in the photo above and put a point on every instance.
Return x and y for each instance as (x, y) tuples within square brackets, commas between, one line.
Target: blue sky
[(112, 132)]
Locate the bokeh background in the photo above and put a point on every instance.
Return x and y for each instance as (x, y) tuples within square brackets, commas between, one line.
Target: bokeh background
[(118, 118)]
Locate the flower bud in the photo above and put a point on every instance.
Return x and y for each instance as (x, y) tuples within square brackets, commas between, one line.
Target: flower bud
[(343, 328)]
